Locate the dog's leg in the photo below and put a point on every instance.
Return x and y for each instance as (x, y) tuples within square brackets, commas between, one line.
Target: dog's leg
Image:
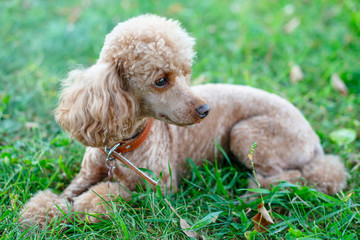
[(279, 146), (93, 170), (42, 209), (283, 149), (45, 205), (98, 201), (326, 172)]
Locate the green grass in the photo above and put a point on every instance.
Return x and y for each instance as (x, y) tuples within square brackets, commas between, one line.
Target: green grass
[(239, 42)]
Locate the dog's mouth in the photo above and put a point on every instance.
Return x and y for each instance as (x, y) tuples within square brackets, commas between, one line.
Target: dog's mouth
[(166, 117), (168, 120)]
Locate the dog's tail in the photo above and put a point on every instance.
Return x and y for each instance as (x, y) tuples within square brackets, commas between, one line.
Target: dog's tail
[(327, 173)]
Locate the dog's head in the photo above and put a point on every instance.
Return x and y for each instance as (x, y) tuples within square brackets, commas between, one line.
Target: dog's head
[(144, 70)]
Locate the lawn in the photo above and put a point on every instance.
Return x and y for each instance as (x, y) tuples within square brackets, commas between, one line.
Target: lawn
[(240, 42)]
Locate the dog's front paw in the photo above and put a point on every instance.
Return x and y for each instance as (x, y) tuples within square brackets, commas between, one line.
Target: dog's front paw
[(42, 209), (95, 204)]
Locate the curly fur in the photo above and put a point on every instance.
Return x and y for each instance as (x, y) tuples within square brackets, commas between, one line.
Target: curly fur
[(94, 108), (112, 100), (44, 208)]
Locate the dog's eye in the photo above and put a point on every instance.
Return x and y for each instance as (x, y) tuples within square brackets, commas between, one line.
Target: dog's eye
[(161, 82)]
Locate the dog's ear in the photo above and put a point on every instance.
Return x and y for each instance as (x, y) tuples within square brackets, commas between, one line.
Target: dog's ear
[(93, 106)]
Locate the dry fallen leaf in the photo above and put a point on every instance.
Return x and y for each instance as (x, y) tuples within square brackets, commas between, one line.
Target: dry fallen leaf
[(31, 125), (175, 8), (235, 7), (338, 84), (296, 74), (291, 25), (74, 14), (262, 219), (185, 225), (190, 233), (289, 9)]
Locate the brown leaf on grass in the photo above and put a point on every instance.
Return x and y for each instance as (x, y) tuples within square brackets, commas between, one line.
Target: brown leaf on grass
[(339, 85), (31, 125), (289, 9), (291, 25), (175, 8), (185, 225), (296, 74), (74, 14), (269, 53), (262, 219), (235, 7), (190, 233)]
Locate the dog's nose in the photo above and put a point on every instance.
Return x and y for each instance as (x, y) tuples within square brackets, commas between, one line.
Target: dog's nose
[(203, 110)]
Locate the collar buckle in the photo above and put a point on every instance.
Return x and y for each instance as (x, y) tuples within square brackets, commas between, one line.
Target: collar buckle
[(121, 147)]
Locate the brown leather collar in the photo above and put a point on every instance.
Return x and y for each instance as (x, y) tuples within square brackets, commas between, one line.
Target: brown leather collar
[(126, 146), (136, 141)]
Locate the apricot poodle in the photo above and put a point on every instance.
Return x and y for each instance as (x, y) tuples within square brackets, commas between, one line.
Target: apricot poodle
[(144, 73)]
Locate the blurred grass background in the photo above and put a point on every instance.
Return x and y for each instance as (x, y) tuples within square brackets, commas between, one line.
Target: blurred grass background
[(239, 42)]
